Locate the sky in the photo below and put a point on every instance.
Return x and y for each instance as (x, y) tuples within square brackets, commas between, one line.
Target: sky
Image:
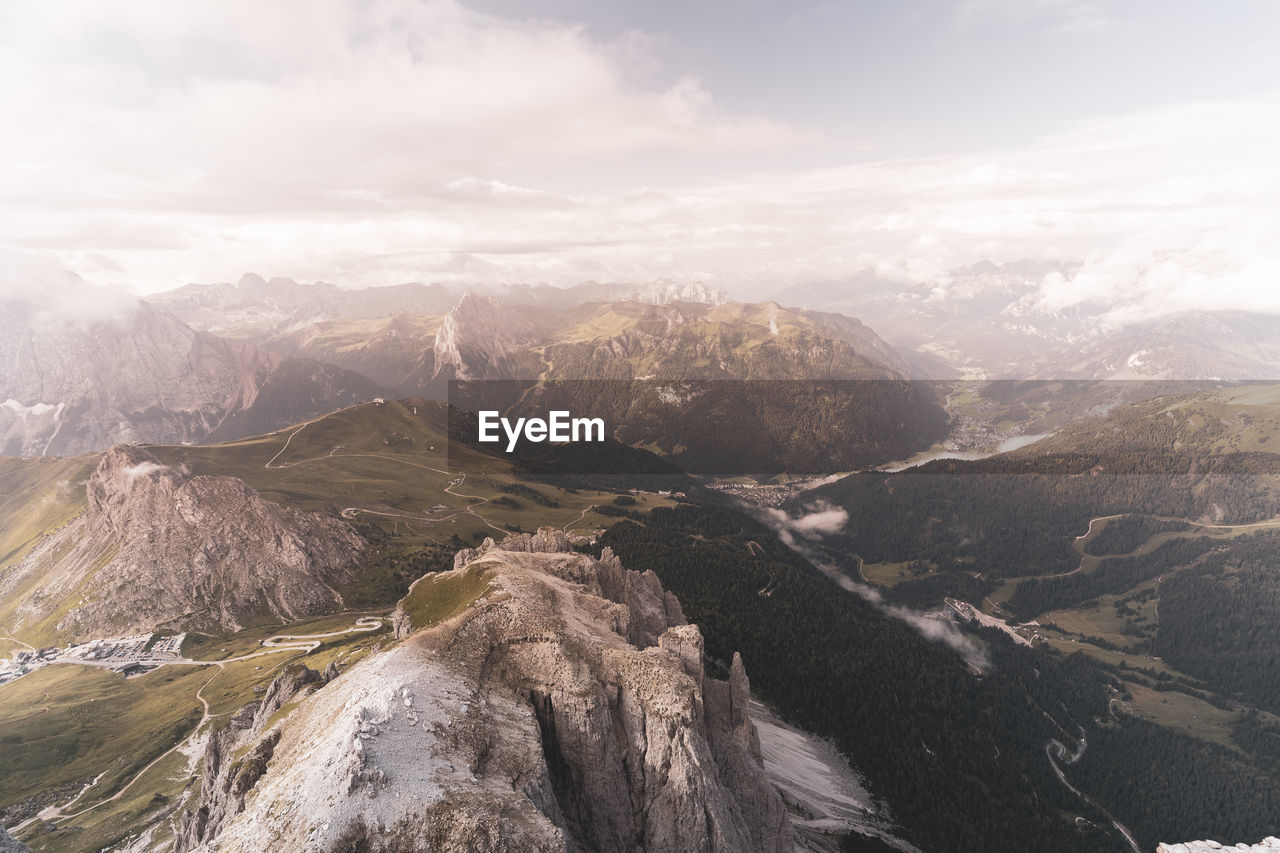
[(750, 145)]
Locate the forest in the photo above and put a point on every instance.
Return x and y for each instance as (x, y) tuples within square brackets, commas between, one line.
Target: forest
[(1114, 575), (960, 755), (1123, 535), (1220, 620), (1013, 516)]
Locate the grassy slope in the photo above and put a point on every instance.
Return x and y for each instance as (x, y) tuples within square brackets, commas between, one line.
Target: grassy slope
[(436, 598), (66, 724), (70, 723), (385, 464), (389, 462), (1241, 419), (37, 496)]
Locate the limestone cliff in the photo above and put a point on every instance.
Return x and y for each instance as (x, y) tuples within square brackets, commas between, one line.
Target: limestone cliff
[(159, 548), (139, 374), (478, 337), (226, 774), (539, 699), (9, 844)]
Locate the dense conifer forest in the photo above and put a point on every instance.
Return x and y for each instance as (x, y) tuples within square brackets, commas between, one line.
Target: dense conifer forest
[(932, 736)]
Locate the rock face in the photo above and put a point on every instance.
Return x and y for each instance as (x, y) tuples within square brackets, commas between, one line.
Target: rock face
[(158, 548), (68, 387), (666, 291), (9, 844), (228, 776), (256, 308), (527, 720), (478, 338), (1268, 845)]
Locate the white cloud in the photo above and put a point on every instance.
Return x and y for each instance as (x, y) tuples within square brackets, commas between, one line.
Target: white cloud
[(821, 518), (166, 142), (1064, 16), (41, 290), (143, 469), (159, 127), (824, 518)]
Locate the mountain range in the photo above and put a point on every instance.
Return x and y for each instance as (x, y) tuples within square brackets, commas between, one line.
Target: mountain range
[(272, 353), (73, 385), (991, 321)]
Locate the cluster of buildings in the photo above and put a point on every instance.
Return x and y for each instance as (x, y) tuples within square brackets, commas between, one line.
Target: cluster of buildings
[(26, 661), (968, 613), (760, 494), (125, 655)]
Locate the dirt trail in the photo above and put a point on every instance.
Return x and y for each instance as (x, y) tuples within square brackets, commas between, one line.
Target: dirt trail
[(579, 518), (19, 642), (303, 643), (351, 511)]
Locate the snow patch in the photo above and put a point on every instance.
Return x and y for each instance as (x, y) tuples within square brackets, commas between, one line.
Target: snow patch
[(22, 411), (142, 469), (824, 796)]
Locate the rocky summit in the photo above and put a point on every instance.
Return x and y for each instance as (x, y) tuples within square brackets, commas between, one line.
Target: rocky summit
[(160, 548), (9, 844), (536, 699)]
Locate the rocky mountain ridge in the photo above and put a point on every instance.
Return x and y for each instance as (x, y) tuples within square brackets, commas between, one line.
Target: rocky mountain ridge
[(256, 308), (9, 844), (994, 321), (478, 339), (561, 705), (159, 548), (1267, 845), (72, 386)]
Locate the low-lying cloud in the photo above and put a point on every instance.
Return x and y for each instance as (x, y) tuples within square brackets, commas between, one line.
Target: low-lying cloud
[(143, 469), (801, 532), (37, 289), (822, 518)]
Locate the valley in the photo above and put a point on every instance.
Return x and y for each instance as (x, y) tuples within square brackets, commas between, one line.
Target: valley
[(136, 736), (1174, 605), (475, 426), (1070, 529)]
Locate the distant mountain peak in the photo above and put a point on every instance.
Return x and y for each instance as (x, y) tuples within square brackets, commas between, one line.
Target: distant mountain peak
[(167, 532), (476, 337), (251, 281)]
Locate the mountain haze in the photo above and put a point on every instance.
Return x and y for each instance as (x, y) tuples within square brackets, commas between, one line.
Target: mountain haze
[(71, 386), (994, 321)]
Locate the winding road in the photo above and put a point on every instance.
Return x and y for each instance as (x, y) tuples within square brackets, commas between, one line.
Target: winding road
[(1055, 749), (352, 511), (579, 518), (302, 643)]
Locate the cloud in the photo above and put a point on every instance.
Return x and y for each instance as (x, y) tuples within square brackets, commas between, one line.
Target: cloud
[(1062, 16), (143, 469), (36, 289), (824, 518), (389, 141), (147, 112)]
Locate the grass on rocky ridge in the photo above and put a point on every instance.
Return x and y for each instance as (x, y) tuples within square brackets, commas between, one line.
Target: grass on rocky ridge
[(435, 598)]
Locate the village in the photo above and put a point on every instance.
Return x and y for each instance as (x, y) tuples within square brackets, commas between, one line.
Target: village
[(126, 655)]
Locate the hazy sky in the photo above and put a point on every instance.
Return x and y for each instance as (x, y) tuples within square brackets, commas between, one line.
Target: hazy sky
[(749, 144)]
